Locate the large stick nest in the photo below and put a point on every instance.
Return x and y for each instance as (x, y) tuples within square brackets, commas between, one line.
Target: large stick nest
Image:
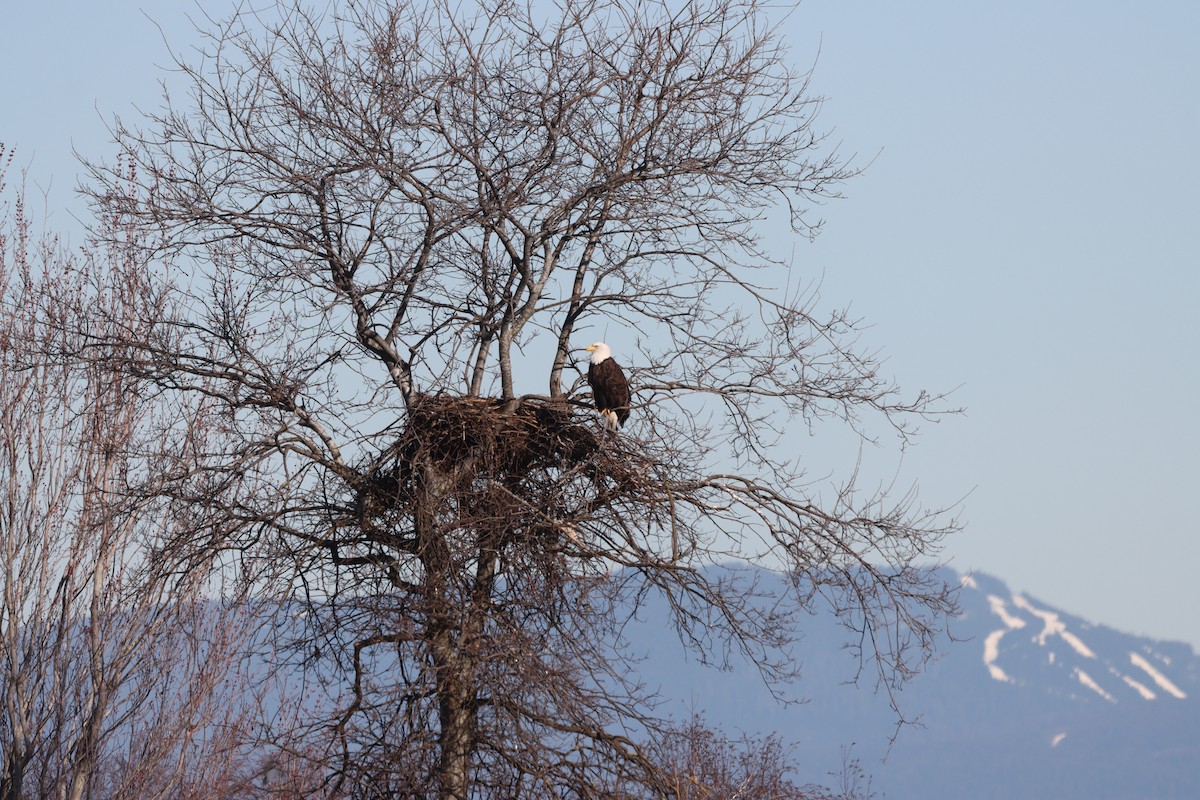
[(493, 464)]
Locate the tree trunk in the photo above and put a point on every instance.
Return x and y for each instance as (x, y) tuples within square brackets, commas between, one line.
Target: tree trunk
[(456, 713), (14, 775), (448, 640)]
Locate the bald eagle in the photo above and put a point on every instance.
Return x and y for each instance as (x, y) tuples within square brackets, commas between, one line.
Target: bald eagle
[(610, 389)]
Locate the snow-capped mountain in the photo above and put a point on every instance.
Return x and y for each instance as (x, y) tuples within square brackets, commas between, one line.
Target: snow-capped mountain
[(1024, 701), (1033, 645)]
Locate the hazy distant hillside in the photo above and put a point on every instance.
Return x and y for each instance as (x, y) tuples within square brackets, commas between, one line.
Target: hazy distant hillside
[(1028, 701)]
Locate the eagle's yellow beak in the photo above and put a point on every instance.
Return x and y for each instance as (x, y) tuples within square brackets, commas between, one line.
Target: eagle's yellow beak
[(590, 347)]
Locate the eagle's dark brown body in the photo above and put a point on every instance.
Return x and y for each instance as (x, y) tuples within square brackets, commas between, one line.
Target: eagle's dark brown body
[(610, 389)]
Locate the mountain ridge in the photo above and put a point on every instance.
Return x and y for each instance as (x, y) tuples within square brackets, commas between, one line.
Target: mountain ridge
[(1023, 700)]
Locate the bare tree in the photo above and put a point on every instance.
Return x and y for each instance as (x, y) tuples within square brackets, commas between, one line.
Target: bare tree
[(379, 232), (706, 764), (113, 665)]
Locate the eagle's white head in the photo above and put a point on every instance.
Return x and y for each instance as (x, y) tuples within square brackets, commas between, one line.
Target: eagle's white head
[(600, 352)]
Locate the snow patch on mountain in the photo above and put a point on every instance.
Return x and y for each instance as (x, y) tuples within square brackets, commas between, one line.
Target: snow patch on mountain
[(1053, 625), (991, 645), (1090, 683), (1000, 610), (1076, 644), (991, 651), (1156, 676), (1140, 688)]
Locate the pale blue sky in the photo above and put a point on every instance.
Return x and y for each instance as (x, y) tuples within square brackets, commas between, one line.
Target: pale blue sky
[(1027, 228)]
